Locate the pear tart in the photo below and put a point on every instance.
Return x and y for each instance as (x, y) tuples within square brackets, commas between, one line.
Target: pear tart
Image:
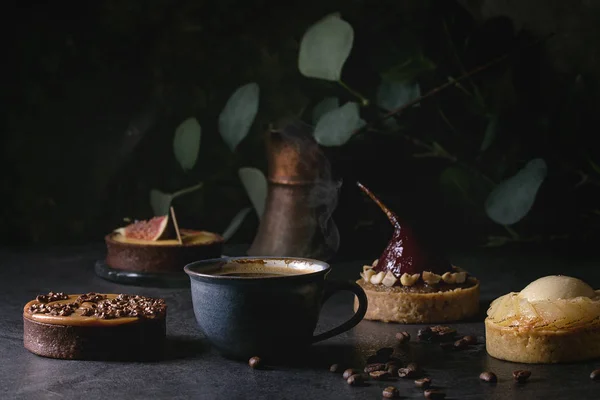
[(554, 319), (95, 326), (413, 283), (158, 246)]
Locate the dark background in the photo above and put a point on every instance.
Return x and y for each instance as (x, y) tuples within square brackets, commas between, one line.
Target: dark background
[(94, 91)]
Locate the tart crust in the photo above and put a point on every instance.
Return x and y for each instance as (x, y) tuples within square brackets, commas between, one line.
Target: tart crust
[(541, 346), (159, 257), (420, 308)]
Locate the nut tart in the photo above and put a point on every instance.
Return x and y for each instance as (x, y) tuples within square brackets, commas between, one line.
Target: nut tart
[(554, 319), (95, 326), (153, 247), (413, 283)]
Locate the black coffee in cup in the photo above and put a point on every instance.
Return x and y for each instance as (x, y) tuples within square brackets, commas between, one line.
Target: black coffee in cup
[(257, 270)]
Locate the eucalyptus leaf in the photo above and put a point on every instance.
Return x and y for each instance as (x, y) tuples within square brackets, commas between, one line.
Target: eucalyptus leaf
[(235, 223), (409, 69), (513, 198), (336, 126), (324, 106), (325, 47), (393, 94), (255, 183), (186, 143), (490, 133), (160, 202), (238, 114)]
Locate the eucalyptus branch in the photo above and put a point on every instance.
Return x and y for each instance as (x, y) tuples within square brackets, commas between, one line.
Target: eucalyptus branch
[(363, 100), (446, 85), (187, 190)]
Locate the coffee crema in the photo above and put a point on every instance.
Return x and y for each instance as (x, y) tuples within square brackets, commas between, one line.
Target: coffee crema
[(257, 271)]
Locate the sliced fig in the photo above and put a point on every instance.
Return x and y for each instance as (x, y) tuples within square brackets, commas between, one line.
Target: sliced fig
[(157, 228), (404, 252)]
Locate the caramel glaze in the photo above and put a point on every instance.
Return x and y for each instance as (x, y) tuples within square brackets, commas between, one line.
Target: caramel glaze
[(76, 319), (404, 253)]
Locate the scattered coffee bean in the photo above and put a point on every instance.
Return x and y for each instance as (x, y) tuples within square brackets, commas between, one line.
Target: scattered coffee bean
[(595, 375), (348, 373), (379, 375), (471, 340), (434, 394), (460, 344), (425, 334), (488, 377), (423, 383), (403, 337), (355, 380), (390, 392), (412, 370), (375, 367), (334, 368), (255, 362), (521, 375)]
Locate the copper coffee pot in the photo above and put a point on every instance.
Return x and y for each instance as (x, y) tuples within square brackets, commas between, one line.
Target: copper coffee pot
[(300, 199)]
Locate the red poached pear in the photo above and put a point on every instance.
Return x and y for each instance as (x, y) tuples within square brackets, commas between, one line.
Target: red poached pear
[(404, 253)]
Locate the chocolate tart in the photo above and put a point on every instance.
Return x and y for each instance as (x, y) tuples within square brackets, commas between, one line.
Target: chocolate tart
[(161, 256), (95, 327), (412, 282), (555, 319)]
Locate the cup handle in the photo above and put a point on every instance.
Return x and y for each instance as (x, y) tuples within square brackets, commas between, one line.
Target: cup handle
[(332, 287)]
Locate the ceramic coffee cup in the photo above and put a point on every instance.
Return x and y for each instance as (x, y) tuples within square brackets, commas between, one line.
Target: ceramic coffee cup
[(261, 315)]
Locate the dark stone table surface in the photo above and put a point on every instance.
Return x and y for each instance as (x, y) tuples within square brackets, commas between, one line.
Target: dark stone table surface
[(193, 370)]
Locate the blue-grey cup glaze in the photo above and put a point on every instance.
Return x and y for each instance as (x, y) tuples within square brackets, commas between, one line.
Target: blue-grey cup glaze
[(246, 317)]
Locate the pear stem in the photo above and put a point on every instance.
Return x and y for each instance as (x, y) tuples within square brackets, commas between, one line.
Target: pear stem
[(391, 216)]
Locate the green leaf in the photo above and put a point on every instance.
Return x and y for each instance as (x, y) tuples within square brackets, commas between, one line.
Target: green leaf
[(160, 202), (238, 114), (408, 69), (325, 47), (255, 183), (336, 127), (393, 94), (324, 106), (235, 223), (513, 198), (186, 143), (490, 133)]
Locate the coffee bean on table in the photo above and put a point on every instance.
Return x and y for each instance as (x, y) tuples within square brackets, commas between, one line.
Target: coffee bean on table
[(412, 370), (461, 344), (334, 368), (425, 334), (379, 375), (595, 375), (393, 369), (375, 367), (355, 380), (434, 394), (488, 377), (423, 383), (349, 372), (390, 392), (255, 362), (521, 375), (471, 340), (403, 337)]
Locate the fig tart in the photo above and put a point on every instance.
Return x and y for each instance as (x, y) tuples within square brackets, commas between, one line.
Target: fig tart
[(413, 283), (95, 326), (554, 319), (158, 246)]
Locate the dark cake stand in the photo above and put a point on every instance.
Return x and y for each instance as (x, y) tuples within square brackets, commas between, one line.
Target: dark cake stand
[(163, 280)]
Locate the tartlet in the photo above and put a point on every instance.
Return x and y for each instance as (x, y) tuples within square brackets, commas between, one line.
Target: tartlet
[(414, 283), (128, 249), (95, 326), (555, 319)]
